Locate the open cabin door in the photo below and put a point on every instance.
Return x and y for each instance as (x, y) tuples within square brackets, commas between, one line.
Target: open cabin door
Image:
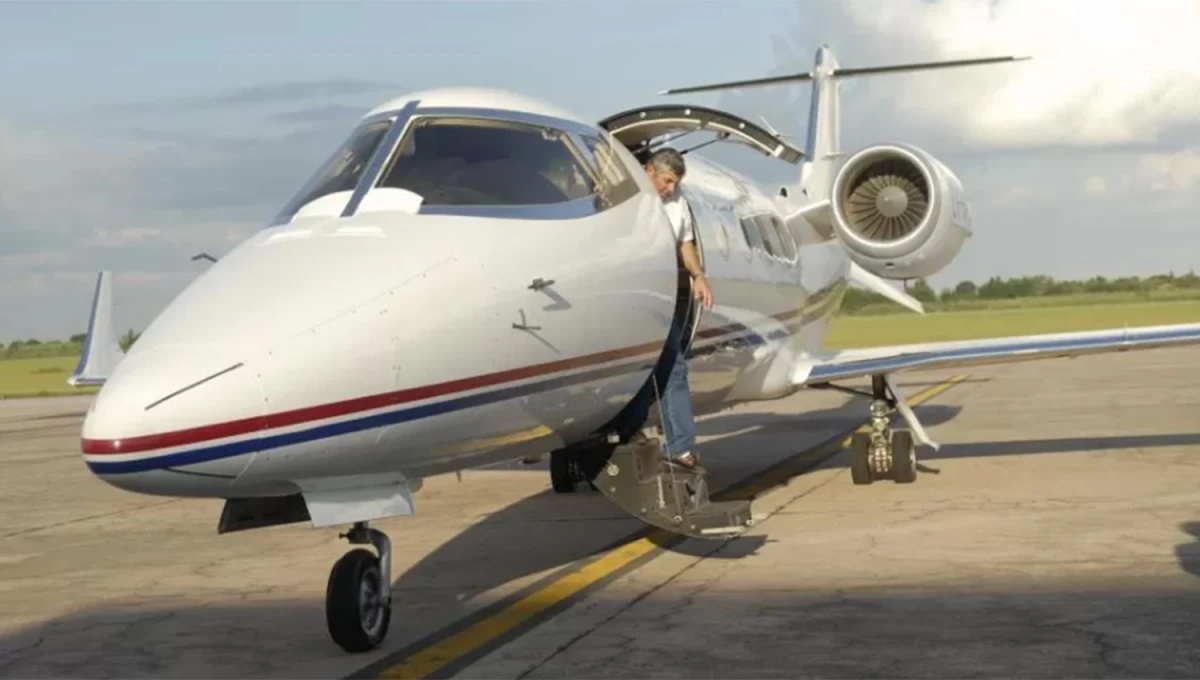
[(687, 293), (640, 130)]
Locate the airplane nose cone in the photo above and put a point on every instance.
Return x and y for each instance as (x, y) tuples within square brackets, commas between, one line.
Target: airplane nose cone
[(174, 419)]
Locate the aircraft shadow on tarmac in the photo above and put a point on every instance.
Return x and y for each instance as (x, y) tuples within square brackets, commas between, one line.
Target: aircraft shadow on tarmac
[(1061, 445), (591, 524)]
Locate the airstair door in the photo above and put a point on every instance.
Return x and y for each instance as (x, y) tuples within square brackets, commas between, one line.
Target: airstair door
[(635, 128)]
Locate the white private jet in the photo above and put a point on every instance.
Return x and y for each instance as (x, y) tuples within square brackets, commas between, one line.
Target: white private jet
[(476, 276)]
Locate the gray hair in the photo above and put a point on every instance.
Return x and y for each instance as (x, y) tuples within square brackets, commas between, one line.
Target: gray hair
[(668, 159)]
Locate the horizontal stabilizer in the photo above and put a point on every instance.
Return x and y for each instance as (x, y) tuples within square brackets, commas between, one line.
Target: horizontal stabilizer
[(733, 84), (868, 281), (101, 350), (921, 66), (845, 73)]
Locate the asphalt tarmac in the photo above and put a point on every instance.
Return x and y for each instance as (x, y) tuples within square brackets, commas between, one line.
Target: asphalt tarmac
[(1061, 537)]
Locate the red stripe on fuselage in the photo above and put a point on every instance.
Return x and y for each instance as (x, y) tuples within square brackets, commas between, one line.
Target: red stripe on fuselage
[(300, 416), (312, 413)]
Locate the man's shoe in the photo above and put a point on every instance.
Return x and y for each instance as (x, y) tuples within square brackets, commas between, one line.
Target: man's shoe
[(690, 461)]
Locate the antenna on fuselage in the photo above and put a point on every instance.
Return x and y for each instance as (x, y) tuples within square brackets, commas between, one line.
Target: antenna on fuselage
[(823, 142)]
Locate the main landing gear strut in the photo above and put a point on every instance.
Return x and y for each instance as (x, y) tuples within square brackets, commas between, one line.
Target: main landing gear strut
[(358, 599), (885, 452)]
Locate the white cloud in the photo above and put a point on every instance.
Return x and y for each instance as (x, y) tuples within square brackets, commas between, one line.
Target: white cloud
[(54, 182), (73, 202), (25, 260), (1095, 186), (1168, 172), (1014, 195), (1104, 72), (120, 237)]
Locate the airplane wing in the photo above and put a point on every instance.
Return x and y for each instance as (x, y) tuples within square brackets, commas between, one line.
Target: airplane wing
[(857, 363), (101, 349)]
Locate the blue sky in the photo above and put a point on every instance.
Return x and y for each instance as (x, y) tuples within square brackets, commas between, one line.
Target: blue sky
[(118, 53), (135, 134)]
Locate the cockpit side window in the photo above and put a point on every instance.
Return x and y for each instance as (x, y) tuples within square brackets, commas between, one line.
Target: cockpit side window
[(343, 170), (616, 183), (463, 161)]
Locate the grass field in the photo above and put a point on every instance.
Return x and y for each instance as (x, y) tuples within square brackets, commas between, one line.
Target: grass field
[(47, 376), (41, 377), (1040, 302), (897, 329)]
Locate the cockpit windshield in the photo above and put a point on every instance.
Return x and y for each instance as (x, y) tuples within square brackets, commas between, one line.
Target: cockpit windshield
[(476, 162), (343, 170), (452, 161)]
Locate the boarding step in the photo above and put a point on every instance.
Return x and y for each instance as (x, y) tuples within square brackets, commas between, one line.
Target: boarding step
[(668, 496)]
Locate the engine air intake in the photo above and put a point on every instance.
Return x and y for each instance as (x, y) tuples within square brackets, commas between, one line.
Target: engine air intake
[(887, 200)]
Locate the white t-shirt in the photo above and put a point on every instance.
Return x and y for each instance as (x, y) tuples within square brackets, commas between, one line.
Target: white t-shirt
[(680, 216)]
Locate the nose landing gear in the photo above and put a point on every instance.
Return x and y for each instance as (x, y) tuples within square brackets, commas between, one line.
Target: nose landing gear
[(358, 598)]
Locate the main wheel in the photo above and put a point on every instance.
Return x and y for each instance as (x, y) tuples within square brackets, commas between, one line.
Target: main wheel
[(355, 612), (562, 474), (904, 457), (860, 463)]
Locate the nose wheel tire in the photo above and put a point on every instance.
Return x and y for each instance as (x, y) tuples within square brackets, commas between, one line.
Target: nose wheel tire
[(358, 609)]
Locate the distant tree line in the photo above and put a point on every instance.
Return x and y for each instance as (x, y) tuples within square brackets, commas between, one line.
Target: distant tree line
[(968, 294), (34, 348)]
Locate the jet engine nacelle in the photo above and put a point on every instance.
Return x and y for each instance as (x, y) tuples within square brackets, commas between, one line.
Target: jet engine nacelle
[(899, 212)]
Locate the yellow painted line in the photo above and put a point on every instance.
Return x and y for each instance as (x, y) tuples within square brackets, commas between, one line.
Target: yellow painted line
[(430, 659), (448, 650)]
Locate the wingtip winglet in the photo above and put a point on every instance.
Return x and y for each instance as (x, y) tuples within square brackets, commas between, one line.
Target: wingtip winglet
[(101, 350)]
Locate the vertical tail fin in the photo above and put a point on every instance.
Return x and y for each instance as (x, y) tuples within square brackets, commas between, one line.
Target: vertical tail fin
[(824, 141), (824, 136), (101, 350)]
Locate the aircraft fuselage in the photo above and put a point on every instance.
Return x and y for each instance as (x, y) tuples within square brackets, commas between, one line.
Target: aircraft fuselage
[(360, 336)]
